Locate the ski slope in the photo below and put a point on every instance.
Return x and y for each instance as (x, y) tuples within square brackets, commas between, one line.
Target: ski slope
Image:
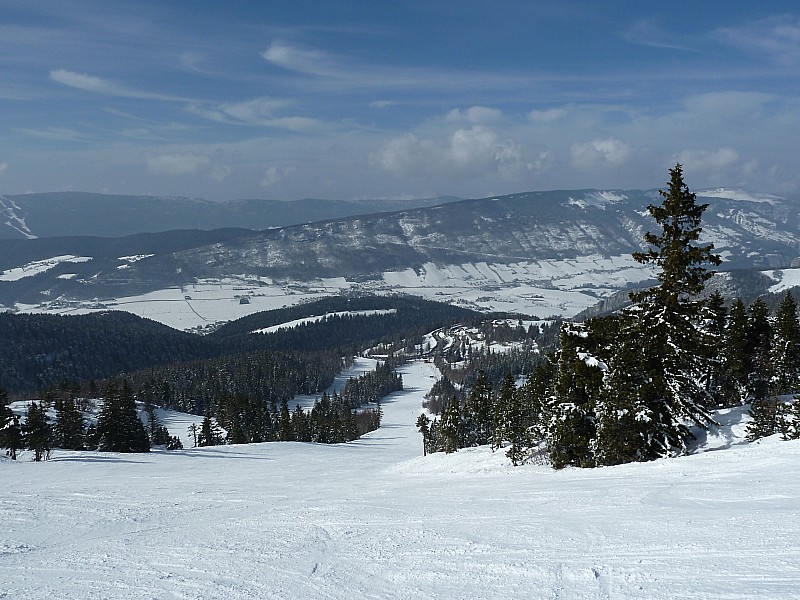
[(375, 519)]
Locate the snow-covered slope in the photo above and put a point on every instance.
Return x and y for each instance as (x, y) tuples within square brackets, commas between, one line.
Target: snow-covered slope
[(375, 519)]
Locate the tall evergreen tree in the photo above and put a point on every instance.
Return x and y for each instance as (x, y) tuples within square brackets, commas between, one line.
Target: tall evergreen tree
[(785, 352), (627, 429), (511, 424), (671, 315), (69, 427), (451, 427), (715, 327), (119, 428), (209, 434), (285, 431), (38, 433), (11, 437), (479, 412), (765, 418), (6, 421), (423, 424), (759, 347), (736, 357), (572, 423)]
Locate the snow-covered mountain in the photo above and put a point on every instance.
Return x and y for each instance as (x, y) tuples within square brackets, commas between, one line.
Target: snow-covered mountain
[(539, 253), (26, 216)]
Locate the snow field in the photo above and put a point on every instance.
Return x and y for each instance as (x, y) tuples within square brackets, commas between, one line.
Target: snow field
[(543, 288), (375, 519)]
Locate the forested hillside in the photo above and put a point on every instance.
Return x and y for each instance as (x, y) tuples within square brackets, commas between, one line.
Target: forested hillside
[(39, 351)]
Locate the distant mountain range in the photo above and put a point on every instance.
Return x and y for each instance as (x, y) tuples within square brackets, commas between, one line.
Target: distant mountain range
[(60, 214), (470, 251)]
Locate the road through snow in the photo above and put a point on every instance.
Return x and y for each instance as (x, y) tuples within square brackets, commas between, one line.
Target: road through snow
[(375, 519)]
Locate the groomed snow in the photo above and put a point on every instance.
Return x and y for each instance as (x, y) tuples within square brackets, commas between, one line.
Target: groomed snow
[(375, 519)]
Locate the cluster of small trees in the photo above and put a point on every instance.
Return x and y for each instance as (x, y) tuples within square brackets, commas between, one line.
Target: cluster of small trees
[(628, 387), (118, 427)]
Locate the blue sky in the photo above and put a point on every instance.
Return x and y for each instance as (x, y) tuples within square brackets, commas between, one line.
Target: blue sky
[(357, 99)]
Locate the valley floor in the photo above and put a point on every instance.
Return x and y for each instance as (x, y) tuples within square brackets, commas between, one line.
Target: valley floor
[(375, 519)]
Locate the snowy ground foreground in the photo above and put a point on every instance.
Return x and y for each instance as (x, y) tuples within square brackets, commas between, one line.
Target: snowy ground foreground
[(374, 519)]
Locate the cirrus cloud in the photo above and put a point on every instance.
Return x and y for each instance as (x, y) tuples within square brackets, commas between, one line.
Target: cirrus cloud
[(98, 85)]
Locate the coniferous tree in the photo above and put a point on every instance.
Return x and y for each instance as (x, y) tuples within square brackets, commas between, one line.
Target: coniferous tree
[(765, 418), (209, 434), (736, 357), (37, 432), (785, 352), (423, 424), (69, 427), (625, 426), (479, 412), (535, 395), (119, 428), (572, 423), (451, 427), (300, 425), (715, 327), (511, 423), (790, 420), (12, 436), (671, 314), (759, 342), (285, 431), (6, 422)]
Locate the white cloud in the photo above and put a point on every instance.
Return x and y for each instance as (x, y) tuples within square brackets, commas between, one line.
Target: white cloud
[(294, 58), (176, 163), (476, 114), (3, 168), (600, 152), (275, 175), (220, 173), (708, 160), (471, 152)]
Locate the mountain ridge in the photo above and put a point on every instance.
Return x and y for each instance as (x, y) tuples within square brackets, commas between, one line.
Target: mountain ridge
[(557, 251), (58, 214)]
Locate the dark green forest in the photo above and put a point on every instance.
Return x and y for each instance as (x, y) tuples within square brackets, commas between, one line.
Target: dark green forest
[(39, 351)]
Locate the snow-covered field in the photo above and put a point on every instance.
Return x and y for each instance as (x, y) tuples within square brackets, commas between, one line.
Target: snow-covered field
[(39, 266), (375, 519), (542, 288)]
